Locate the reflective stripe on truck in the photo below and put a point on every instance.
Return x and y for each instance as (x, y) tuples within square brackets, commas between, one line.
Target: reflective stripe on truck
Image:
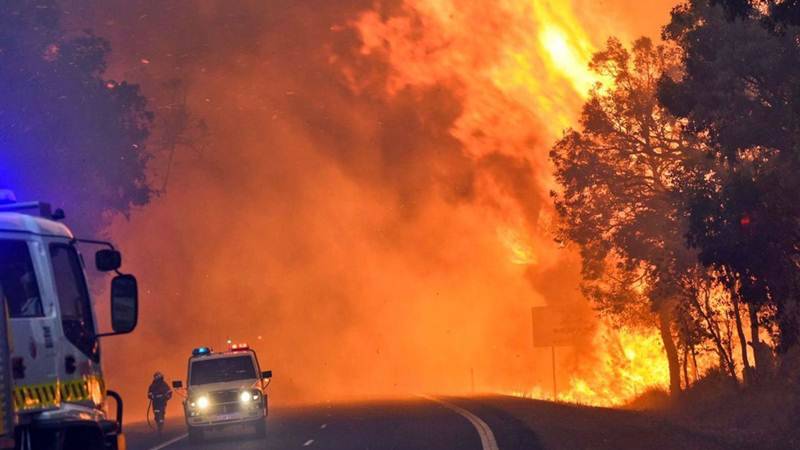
[(49, 395)]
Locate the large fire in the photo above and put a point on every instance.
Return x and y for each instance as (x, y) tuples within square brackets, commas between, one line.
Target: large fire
[(375, 198), (521, 66)]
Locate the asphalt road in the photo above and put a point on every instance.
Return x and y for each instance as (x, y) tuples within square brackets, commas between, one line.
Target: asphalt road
[(400, 425), (485, 423)]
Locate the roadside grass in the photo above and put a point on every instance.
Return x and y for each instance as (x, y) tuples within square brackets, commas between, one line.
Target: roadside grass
[(765, 415)]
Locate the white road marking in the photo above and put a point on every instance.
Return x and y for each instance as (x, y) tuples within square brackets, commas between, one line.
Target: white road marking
[(323, 426), (308, 442), (169, 442), (488, 442)]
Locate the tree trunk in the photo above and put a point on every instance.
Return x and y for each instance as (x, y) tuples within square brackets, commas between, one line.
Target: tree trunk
[(665, 329), (754, 337), (788, 324), (686, 367), (728, 345), (717, 337), (746, 371)]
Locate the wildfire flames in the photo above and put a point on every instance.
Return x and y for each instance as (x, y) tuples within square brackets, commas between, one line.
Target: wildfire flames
[(522, 68), (375, 202), (625, 364)]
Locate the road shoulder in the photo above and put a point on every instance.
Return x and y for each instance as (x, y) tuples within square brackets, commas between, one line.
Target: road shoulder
[(564, 426)]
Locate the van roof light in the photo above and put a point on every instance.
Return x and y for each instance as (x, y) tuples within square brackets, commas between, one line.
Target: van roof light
[(201, 351)]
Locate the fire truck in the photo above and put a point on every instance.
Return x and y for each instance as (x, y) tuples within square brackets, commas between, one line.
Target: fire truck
[(52, 392)]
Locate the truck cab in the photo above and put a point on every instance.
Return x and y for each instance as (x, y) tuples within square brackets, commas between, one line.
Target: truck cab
[(225, 389), (58, 390)]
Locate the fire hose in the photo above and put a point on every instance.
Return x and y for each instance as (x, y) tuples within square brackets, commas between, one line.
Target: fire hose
[(147, 414)]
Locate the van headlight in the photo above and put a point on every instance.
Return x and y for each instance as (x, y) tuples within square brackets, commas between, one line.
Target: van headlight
[(202, 402), (249, 396)]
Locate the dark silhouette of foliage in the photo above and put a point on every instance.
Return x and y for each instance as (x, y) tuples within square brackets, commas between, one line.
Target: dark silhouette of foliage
[(735, 9), (67, 135), (739, 88)]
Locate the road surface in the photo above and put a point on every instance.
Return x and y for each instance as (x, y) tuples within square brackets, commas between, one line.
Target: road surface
[(484, 423)]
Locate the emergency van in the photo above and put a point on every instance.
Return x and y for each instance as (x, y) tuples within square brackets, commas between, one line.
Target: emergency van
[(224, 389)]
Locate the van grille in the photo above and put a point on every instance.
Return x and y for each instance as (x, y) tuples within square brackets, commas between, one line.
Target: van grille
[(220, 397)]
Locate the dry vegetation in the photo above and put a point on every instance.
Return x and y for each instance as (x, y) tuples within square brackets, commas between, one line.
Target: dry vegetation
[(763, 416)]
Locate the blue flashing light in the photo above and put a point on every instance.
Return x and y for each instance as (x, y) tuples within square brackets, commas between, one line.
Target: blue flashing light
[(201, 351)]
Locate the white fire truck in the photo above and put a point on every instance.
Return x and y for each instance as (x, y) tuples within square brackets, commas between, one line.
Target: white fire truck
[(57, 396)]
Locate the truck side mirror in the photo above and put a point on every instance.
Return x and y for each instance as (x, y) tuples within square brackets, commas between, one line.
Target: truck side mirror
[(124, 304), (266, 374), (177, 384), (107, 260)]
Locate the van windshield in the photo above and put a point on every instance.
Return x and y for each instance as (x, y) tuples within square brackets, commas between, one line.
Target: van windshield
[(206, 371)]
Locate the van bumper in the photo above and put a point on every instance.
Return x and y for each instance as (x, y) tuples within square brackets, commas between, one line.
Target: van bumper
[(239, 417)]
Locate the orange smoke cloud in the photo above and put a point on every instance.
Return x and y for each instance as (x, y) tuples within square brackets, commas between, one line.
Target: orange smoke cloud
[(371, 213)]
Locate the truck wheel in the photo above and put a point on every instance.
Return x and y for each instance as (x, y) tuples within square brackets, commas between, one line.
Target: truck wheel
[(261, 429), (43, 438), (83, 438), (195, 435)]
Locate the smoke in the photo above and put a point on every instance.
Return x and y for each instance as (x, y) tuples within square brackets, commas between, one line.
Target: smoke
[(370, 211)]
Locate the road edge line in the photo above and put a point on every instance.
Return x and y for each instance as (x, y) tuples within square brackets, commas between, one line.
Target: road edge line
[(488, 441), (170, 442)]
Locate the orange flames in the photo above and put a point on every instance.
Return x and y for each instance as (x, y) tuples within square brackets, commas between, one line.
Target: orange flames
[(522, 69), (625, 364), (384, 234), (518, 63)]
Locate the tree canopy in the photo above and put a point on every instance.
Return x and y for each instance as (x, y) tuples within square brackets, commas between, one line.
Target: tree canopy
[(67, 135), (680, 184), (739, 88)]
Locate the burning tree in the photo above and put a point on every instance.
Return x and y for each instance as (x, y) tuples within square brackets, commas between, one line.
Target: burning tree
[(621, 196), (680, 189)]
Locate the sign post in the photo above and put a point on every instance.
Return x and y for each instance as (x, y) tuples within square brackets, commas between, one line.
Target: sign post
[(551, 327), (553, 359)]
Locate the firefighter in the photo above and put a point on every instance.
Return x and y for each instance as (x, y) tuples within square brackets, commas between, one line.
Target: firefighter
[(159, 393)]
